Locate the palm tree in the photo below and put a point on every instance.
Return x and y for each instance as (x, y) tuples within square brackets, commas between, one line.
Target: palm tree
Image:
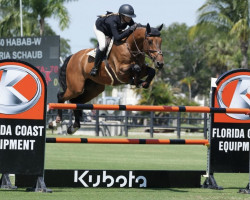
[(222, 55), (228, 16), (159, 93), (43, 9), (33, 10), (9, 17), (188, 81)]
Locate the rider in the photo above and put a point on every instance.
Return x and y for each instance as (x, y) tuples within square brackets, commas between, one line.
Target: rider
[(112, 25)]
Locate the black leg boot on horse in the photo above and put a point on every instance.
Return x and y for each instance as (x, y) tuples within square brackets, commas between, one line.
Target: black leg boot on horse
[(98, 60)]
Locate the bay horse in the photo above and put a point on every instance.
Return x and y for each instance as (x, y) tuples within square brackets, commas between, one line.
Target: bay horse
[(124, 65)]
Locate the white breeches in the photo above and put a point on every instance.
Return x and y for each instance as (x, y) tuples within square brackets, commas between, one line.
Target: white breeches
[(101, 38)]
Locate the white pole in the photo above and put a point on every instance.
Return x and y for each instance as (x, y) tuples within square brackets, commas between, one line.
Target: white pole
[(21, 18)]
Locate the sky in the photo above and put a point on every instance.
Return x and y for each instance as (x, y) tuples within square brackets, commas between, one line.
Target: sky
[(83, 14)]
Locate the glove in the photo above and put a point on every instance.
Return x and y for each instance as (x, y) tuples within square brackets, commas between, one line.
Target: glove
[(133, 27)]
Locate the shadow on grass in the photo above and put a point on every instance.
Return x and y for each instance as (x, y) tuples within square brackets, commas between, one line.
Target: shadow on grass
[(162, 189)]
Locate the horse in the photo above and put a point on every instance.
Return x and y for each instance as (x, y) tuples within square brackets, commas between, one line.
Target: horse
[(125, 64)]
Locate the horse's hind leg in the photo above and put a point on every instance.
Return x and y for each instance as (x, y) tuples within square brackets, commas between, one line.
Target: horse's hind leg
[(69, 94), (56, 122), (78, 115), (59, 111), (91, 90), (73, 96)]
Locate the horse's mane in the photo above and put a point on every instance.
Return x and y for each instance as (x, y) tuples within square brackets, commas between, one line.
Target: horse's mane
[(141, 26), (153, 31)]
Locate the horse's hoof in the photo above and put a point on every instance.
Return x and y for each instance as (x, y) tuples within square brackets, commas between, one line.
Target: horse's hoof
[(145, 85), (139, 83), (71, 130)]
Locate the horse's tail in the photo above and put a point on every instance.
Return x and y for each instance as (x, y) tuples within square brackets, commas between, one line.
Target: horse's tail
[(62, 74)]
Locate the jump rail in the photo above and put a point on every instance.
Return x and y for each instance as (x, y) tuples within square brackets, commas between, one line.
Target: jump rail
[(127, 141), (199, 109)]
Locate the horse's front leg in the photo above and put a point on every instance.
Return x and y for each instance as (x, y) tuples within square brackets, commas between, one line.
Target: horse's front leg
[(136, 71), (150, 73), (140, 72)]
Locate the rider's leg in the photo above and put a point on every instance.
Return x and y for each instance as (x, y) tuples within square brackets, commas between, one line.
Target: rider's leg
[(98, 60), (100, 53)]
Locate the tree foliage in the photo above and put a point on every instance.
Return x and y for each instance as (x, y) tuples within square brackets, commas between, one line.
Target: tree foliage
[(43, 9), (217, 43), (230, 17), (35, 13), (158, 93), (184, 58)]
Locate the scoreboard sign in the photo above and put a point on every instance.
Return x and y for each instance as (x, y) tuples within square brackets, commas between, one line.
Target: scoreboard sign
[(41, 52)]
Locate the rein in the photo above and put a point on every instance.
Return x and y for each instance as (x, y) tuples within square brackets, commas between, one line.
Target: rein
[(135, 53), (143, 53)]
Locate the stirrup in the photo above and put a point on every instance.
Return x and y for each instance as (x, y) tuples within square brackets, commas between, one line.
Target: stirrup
[(94, 71)]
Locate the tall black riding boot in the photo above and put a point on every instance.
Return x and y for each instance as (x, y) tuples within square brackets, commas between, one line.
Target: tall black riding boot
[(98, 60)]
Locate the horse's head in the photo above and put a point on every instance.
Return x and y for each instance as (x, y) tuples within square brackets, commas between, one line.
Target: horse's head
[(152, 45)]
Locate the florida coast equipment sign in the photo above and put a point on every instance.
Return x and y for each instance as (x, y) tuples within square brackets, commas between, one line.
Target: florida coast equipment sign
[(230, 133), (22, 118)]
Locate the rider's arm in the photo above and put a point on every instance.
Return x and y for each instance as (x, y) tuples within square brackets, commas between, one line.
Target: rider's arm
[(119, 36)]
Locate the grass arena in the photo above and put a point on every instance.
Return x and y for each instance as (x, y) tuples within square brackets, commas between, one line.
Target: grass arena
[(125, 168)]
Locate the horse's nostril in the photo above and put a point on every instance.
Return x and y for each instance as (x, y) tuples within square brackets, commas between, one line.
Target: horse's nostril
[(160, 64)]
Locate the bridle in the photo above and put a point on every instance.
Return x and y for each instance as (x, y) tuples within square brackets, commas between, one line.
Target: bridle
[(148, 52)]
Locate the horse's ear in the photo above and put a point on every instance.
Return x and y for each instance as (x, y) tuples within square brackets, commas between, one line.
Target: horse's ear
[(160, 27), (148, 28)]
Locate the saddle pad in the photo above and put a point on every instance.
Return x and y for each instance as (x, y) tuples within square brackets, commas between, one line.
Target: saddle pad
[(92, 53)]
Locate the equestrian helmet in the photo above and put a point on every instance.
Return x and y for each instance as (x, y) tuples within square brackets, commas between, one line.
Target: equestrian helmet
[(127, 10)]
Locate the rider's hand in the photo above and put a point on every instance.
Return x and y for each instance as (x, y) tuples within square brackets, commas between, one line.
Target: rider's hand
[(133, 27)]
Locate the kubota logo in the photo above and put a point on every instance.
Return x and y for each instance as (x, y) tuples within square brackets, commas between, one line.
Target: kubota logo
[(235, 93), (20, 89), (87, 179)]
